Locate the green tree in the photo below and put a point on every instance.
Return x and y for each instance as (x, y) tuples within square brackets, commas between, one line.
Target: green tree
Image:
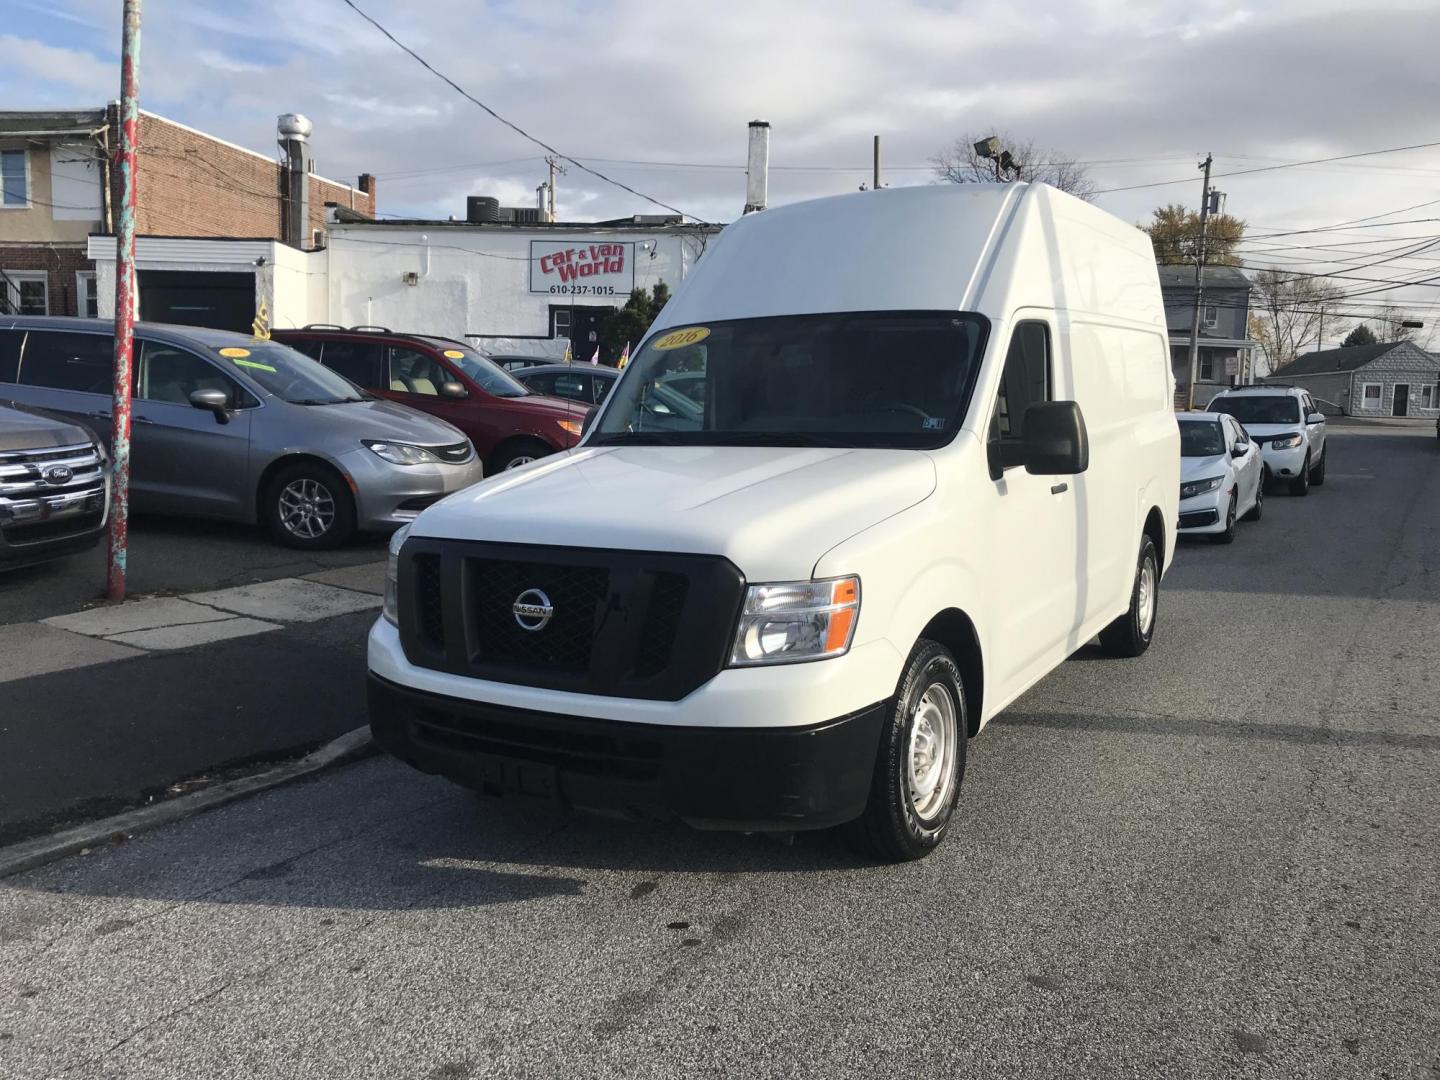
[(628, 325), (1361, 335), (1175, 232)]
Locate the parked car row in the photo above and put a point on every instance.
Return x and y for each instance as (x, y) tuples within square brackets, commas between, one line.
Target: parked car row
[(1253, 438)]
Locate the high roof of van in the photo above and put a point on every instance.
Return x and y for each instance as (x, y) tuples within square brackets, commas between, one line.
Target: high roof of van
[(947, 247)]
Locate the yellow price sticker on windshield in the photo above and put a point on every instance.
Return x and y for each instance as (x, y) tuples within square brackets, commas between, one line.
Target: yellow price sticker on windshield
[(232, 353), (454, 354), (678, 339)]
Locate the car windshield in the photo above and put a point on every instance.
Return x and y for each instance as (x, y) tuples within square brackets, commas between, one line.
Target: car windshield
[(483, 372), (1201, 438), (288, 374), (882, 379), (1267, 409)]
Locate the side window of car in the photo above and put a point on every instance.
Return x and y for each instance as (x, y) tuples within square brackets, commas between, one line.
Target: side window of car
[(568, 385), (1025, 381), (63, 361), (311, 347), (601, 387), (168, 374), (358, 361), (10, 342), (412, 372)]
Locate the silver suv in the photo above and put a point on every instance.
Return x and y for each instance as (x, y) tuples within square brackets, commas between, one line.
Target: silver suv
[(54, 487), (1290, 430), (228, 426)]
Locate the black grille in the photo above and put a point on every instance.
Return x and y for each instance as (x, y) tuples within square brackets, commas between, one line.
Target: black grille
[(53, 530), (590, 754), (622, 623), (429, 606), (577, 594), (455, 453), (1197, 518)]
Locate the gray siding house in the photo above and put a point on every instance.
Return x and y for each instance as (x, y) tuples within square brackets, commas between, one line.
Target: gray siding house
[(1225, 343), (1396, 378)]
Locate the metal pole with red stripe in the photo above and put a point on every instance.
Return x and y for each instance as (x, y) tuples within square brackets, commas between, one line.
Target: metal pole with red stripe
[(124, 299)]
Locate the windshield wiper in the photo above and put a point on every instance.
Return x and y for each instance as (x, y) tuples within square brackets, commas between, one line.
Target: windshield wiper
[(640, 438), (323, 401)]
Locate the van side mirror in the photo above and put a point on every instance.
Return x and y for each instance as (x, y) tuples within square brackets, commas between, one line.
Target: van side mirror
[(453, 389), (1055, 441), (215, 401)]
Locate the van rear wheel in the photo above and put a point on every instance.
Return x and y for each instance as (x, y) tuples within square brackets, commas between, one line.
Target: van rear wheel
[(1131, 633), (920, 763)]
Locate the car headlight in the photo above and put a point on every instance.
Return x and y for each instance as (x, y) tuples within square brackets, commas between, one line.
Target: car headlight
[(790, 621), (1200, 487), (391, 607), (574, 427), (1286, 442), (400, 453)]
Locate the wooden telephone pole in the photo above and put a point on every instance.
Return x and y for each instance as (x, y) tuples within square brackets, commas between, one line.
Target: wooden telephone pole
[(1199, 287)]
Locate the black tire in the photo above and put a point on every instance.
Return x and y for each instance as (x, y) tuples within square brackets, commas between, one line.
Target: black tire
[(1228, 536), (1318, 476), (1128, 635), (892, 828), (334, 507), (1258, 510), (515, 453), (1300, 485)]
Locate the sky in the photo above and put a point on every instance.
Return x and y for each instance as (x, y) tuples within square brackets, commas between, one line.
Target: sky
[(658, 95)]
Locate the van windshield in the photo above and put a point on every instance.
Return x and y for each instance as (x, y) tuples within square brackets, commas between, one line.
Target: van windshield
[(1260, 409), (864, 379), (1201, 438), (289, 374)]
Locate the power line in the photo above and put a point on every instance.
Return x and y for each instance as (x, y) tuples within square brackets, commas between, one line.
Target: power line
[(1266, 168), (511, 125)]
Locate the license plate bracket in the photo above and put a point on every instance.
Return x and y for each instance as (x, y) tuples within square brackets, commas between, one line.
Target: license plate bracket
[(512, 776)]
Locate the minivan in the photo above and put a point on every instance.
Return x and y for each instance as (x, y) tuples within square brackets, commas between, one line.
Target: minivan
[(936, 455), (509, 424), (228, 426)]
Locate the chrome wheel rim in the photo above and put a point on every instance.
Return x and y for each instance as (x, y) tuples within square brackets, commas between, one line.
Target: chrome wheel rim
[(307, 509), (1145, 596), (930, 760), (516, 462)]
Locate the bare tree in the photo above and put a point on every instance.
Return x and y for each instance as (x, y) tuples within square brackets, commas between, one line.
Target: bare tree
[(1286, 312), (1389, 323), (960, 164)]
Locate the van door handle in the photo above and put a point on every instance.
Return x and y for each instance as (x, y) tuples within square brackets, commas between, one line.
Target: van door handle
[(1058, 489)]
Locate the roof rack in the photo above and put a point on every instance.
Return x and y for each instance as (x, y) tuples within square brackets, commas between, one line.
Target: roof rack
[(366, 328), (322, 326)]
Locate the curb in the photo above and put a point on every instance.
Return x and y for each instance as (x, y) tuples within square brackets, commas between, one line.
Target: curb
[(29, 854)]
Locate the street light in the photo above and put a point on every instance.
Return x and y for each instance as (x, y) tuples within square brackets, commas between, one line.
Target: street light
[(989, 149)]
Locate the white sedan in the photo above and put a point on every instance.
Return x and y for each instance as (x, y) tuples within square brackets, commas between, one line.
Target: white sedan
[(1221, 475)]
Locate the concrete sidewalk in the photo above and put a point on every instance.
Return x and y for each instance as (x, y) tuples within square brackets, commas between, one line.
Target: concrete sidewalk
[(108, 707)]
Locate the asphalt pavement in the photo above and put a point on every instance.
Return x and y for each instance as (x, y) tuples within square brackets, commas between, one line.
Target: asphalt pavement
[(1216, 860)]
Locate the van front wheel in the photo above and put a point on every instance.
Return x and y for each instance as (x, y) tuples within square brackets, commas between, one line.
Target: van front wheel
[(920, 763), (1130, 634)]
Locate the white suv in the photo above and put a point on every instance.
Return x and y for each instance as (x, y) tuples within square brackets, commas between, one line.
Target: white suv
[(1288, 427)]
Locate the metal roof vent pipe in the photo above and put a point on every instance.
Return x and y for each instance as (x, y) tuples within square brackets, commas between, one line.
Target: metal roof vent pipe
[(293, 133), (757, 167)]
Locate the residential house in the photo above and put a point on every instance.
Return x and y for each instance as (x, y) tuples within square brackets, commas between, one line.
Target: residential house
[(58, 208), (1225, 343), (1394, 378)]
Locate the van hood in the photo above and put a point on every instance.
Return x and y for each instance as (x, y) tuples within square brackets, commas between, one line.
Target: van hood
[(772, 511), (376, 419), (1201, 468)]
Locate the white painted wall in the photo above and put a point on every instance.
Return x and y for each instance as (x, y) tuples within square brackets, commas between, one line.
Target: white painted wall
[(476, 280), (75, 187)]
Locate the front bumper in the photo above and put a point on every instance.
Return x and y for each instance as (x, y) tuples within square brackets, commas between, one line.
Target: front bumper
[(732, 778), (1285, 463), (36, 529), (1204, 513), (388, 496)]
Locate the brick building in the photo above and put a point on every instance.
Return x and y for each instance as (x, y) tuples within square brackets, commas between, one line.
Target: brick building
[(58, 191)]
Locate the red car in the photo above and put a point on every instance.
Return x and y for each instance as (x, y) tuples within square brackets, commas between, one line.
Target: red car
[(508, 424)]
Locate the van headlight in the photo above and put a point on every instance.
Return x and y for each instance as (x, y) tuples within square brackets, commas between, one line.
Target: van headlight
[(400, 453), (391, 608), (789, 621), (1200, 487)]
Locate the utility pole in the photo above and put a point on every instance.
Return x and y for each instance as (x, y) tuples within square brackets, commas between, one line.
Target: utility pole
[(1199, 287), (875, 184), (124, 301), (556, 169)]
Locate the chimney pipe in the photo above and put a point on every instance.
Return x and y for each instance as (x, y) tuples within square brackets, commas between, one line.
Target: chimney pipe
[(757, 167), (294, 137)]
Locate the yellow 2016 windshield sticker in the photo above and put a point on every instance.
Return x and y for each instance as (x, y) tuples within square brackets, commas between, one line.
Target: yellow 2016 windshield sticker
[(454, 354), (232, 353), (678, 339)]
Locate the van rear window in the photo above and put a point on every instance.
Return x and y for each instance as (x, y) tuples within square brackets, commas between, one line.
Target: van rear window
[(882, 379)]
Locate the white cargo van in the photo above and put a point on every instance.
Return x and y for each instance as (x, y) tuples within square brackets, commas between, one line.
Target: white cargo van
[(884, 461)]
